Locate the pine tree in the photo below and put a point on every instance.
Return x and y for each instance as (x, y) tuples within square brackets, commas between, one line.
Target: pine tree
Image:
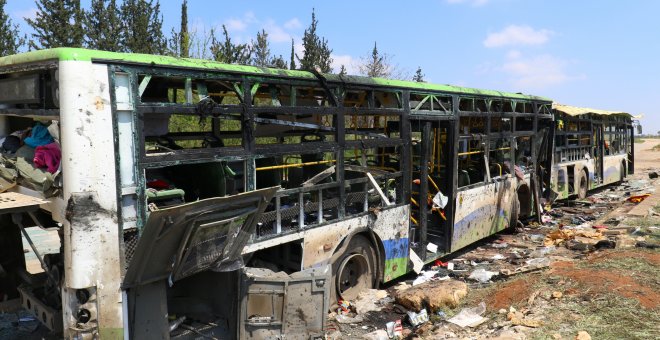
[(228, 52), (142, 28), (184, 36), (317, 53), (378, 64), (375, 65), (103, 25), (278, 62), (419, 76), (181, 42), (10, 40), (292, 63), (58, 23), (261, 50), (342, 70)]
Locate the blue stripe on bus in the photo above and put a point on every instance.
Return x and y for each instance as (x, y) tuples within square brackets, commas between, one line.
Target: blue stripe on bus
[(396, 248)]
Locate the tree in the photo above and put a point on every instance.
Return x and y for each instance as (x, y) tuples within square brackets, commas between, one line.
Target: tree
[(181, 42), (261, 50), (342, 70), (375, 66), (380, 65), (103, 25), (58, 23), (10, 40), (142, 28), (228, 52), (292, 63), (261, 53), (419, 76), (316, 51), (278, 62)]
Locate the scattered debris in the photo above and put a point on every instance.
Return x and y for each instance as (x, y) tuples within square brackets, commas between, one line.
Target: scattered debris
[(371, 300), (482, 275), (638, 198), (433, 295), (394, 329), (470, 317), (417, 319)]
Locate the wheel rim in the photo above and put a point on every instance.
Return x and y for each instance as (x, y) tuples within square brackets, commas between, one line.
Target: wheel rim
[(354, 276)]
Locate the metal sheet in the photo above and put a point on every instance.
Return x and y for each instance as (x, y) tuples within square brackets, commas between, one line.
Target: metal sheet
[(576, 111), (180, 241)]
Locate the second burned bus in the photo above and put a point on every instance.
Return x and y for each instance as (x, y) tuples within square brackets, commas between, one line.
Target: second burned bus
[(592, 148), (179, 177)]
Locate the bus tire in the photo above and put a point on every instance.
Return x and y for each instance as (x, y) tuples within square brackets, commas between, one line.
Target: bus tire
[(515, 213), (354, 270), (583, 185)]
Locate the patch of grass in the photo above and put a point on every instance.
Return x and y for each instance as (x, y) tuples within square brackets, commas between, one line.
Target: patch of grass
[(643, 221), (607, 317), (639, 267), (639, 140), (656, 148)]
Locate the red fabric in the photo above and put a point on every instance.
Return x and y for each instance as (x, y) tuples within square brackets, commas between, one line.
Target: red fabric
[(158, 184), (48, 156)]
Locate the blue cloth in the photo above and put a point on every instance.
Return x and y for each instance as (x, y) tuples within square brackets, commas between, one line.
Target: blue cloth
[(39, 136)]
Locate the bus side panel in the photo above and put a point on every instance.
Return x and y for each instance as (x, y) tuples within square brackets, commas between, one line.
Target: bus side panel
[(482, 211), (559, 181), (390, 226), (612, 168), (91, 234)]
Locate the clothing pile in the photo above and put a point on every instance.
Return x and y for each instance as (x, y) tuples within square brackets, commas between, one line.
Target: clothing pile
[(31, 158)]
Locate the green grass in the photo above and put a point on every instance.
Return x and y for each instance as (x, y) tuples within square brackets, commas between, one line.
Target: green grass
[(656, 148), (608, 317), (639, 140)]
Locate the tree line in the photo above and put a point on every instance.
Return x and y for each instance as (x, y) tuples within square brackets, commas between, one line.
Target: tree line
[(136, 26)]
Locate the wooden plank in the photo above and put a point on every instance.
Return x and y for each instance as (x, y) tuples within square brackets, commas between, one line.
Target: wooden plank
[(15, 202)]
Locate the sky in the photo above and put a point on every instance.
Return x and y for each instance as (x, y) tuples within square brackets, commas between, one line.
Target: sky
[(602, 54)]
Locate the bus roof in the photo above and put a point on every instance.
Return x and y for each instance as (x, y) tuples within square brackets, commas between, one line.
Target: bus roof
[(67, 53), (576, 111)]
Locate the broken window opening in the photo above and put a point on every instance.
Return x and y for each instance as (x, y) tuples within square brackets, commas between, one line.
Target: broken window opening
[(471, 162), (524, 123), (430, 102), (177, 184), (472, 125), (500, 124), (523, 152), (499, 157), (294, 129)]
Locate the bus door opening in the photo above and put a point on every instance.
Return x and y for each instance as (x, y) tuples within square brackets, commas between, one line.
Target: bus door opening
[(598, 151), (431, 187)]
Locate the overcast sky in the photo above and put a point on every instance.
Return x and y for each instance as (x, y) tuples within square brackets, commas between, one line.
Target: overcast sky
[(601, 54)]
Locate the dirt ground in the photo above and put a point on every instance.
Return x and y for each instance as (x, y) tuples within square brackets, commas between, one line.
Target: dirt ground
[(645, 157), (585, 291)]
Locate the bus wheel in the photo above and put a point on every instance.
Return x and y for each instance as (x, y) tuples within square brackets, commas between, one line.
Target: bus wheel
[(583, 185), (515, 213), (354, 270)]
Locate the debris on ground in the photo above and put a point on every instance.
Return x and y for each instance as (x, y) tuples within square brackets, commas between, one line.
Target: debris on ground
[(538, 269), (482, 275), (470, 317), (433, 295)]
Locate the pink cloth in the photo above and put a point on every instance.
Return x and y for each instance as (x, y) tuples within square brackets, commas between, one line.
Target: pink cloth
[(48, 156)]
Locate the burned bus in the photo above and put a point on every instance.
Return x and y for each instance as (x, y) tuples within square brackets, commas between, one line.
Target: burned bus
[(194, 198), (592, 148)]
